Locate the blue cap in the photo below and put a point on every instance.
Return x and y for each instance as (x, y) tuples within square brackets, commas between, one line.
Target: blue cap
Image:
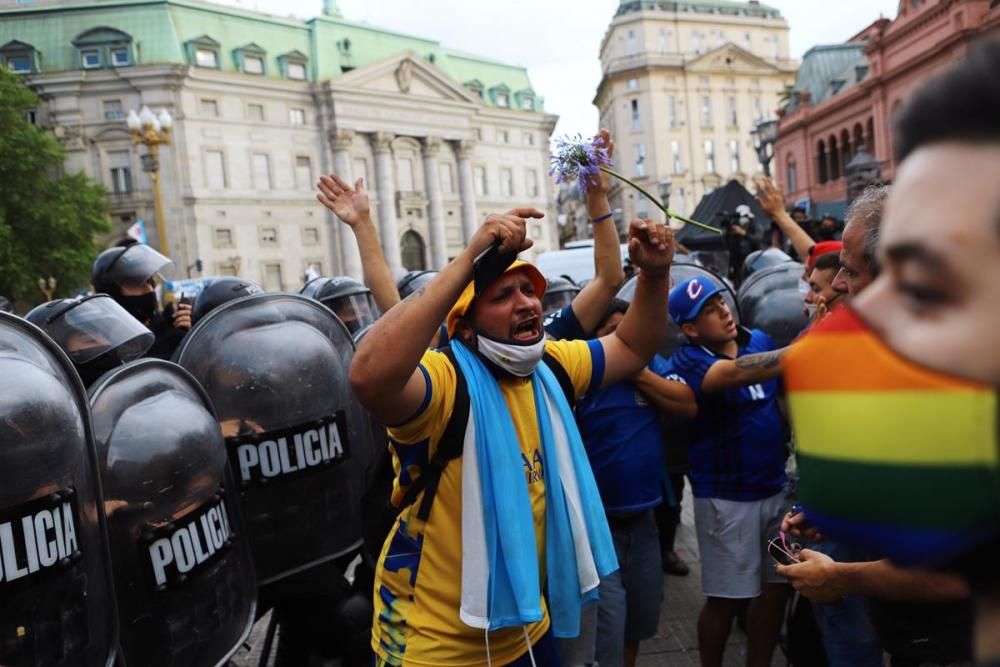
[(689, 297)]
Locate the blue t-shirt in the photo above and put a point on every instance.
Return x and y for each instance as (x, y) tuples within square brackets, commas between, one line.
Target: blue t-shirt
[(563, 325), (624, 441), (736, 445)]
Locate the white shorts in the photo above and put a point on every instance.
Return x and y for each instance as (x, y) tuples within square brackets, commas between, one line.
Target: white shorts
[(732, 539)]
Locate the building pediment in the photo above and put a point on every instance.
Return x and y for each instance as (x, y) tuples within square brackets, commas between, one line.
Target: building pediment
[(731, 58), (408, 74)]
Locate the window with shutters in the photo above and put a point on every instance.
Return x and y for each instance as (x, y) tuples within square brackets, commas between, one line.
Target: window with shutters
[(303, 172), (121, 173), (272, 278), (222, 237), (215, 170), (261, 171)]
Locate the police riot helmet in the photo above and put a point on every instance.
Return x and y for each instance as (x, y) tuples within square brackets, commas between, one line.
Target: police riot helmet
[(558, 294), (762, 259), (58, 603), (128, 266), (218, 292), (348, 298), (95, 331), (413, 281)]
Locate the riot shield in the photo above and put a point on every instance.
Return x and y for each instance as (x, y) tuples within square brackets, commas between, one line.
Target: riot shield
[(770, 300), (275, 367), (57, 605), (759, 260), (180, 555), (679, 272)]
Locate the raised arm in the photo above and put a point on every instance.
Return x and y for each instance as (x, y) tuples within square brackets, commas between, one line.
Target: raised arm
[(744, 371), (773, 202), (589, 305), (669, 396), (633, 344), (351, 206), (384, 374)]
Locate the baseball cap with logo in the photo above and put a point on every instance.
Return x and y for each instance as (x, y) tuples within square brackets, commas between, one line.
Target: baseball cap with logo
[(689, 297)]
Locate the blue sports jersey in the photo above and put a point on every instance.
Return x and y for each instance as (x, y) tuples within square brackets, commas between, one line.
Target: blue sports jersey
[(621, 432), (737, 442), (563, 325)]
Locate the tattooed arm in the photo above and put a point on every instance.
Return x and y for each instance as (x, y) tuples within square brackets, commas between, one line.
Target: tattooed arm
[(384, 373), (744, 371)]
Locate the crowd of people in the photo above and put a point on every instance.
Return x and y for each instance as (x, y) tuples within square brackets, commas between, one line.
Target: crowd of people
[(532, 508)]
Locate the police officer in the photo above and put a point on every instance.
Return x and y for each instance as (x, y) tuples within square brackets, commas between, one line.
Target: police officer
[(348, 298), (128, 274), (220, 291), (95, 332)]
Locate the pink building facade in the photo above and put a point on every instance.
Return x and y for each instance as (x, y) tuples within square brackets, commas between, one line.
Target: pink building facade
[(846, 94)]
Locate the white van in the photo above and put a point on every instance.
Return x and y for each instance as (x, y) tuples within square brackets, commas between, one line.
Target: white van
[(575, 261)]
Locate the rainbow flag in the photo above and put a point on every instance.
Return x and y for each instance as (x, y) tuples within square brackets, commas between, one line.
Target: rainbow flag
[(891, 455)]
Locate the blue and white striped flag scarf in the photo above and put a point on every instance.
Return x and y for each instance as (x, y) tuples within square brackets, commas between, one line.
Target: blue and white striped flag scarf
[(500, 583)]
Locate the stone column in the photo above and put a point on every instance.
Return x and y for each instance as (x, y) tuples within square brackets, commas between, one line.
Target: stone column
[(435, 213), (386, 187), (466, 188), (350, 256)]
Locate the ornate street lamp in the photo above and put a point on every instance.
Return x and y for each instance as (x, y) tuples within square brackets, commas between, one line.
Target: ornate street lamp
[(862, 171), (152, 131), (765, 134)]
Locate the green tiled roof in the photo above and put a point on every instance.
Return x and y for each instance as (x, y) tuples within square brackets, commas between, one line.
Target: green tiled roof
[(730, 7), (828, 69), (162, 29)]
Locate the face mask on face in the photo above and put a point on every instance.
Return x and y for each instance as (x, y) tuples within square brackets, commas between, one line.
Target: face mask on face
[(894, 458), (141, 306), (518, 359)]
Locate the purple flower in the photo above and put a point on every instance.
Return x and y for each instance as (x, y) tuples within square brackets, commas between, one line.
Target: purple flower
[(577, 158)]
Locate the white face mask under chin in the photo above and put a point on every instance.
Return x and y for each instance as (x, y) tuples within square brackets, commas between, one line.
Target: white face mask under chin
[(519, 360)]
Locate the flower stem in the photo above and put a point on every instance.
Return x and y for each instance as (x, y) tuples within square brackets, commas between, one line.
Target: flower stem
[(666, 211)]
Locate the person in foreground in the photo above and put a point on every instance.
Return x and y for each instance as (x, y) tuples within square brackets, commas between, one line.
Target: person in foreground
[(917, 360), (519, 511), (737, 468)]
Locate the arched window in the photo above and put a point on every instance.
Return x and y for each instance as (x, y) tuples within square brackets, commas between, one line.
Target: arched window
[(859, 137), (846, 149), (821, 163), (870, 137), (834, 158), (411, 248), (791, 177)]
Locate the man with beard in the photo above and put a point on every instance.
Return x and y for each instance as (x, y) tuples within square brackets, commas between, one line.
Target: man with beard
[(462, 584)]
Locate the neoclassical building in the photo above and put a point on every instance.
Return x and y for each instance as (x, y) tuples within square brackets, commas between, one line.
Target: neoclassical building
[(263, 105), (683, 84), (846, 94)]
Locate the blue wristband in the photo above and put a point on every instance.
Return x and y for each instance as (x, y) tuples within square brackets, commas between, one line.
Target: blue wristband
[(602, 218)]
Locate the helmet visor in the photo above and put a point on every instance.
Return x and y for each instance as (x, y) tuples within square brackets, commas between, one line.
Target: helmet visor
[(553, 301), (356, 311), (96, 326), (137, 264)]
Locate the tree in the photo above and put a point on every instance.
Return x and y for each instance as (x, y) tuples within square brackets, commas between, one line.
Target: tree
[(49, 221)]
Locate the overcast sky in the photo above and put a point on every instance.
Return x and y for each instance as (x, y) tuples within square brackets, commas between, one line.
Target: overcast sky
[(559, 40)]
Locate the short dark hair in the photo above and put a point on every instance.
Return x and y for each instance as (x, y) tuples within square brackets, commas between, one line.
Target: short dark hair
[(799, 209), (962, 104), (830, 260), (830, 217), (616, 306)]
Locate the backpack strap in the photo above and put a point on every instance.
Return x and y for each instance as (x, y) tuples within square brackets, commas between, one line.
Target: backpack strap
[(449, 446), (562, 376), (452, 441)]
